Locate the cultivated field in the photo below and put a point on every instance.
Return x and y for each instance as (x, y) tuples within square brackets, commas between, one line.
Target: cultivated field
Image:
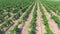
[(29, 17)]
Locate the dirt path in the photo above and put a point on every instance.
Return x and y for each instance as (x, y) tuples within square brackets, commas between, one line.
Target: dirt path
[(53, 26), (26, 26), (40, 26)]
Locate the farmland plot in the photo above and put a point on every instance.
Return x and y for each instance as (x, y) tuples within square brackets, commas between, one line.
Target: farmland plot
[(29, 17)]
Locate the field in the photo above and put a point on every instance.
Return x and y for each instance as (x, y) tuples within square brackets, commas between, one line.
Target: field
[(29, 17)]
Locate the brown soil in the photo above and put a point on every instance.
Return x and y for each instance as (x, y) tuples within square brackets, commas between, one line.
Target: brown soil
[(53, 26), (16, 21), (55, 14), (40, 26), (26, 26)]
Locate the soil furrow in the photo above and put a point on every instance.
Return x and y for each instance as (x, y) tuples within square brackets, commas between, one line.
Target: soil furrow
[(40, 26), (53, 26), (26, 26)]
